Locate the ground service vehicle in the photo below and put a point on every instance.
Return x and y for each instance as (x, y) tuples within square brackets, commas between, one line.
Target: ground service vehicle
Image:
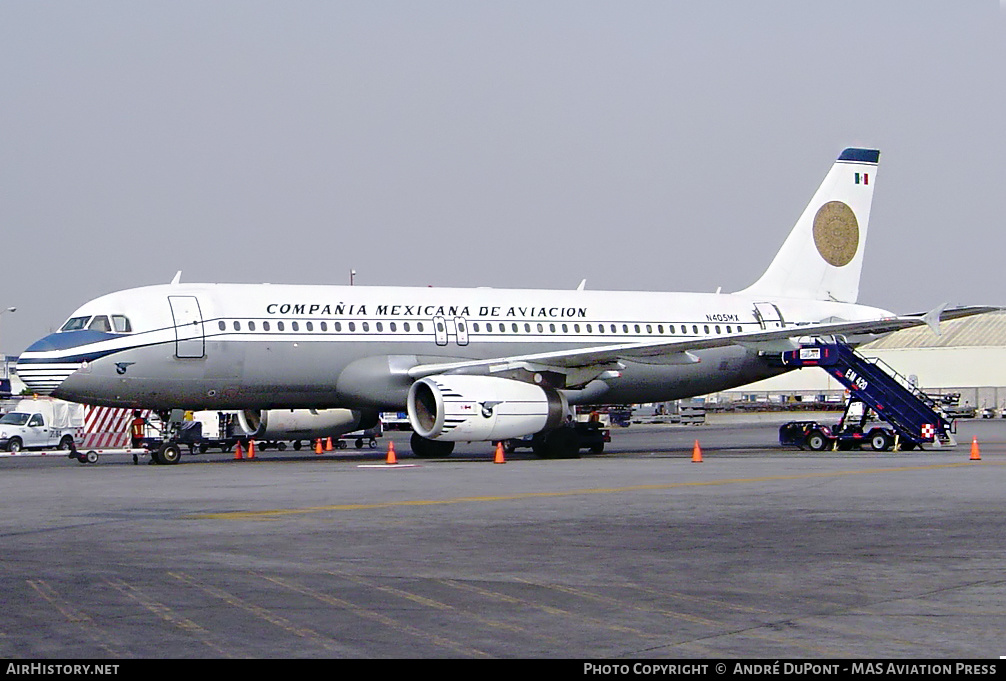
[(41, 424), (851, 432), (817, 437)]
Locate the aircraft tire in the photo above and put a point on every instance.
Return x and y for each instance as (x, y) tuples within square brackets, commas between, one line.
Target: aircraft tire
[(423, 448), (167, 454), (563, 443)]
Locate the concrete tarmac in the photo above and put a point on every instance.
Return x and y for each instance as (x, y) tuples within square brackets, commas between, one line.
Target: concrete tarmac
[(757, 552)]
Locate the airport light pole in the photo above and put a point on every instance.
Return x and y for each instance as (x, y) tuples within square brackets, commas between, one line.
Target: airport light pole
[(6, 371)]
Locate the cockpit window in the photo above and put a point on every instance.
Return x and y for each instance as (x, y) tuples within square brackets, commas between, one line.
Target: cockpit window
[(99, 323), (119, 324), (75, 324)]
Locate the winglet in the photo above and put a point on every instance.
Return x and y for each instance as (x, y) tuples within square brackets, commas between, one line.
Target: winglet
[(177, 278), (932, 318), (583, 283)]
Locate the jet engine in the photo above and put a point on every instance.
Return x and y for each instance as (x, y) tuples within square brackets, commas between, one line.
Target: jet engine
[(461, 408), (302, 424)]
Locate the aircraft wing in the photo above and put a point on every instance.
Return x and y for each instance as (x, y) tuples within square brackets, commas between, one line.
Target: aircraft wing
[(958, 312), (678, 351)]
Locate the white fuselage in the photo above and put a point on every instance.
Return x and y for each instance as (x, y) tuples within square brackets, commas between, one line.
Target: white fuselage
[(231, 346)]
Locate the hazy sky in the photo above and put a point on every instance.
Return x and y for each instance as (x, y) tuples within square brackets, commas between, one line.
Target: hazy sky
[(642, 145)]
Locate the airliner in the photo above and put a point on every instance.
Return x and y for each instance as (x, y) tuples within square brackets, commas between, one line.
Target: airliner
[(469, 364)]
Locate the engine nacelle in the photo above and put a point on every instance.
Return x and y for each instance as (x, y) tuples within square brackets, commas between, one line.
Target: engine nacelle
[(461, 408), (302, 424)]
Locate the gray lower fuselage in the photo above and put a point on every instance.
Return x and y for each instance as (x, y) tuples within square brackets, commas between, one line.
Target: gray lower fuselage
[(363, 374)]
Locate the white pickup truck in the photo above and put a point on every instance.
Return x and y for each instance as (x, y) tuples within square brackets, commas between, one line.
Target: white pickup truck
[(40, 424)]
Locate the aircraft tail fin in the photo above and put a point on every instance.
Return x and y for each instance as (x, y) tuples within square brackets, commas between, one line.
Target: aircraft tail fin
[(822, 257)]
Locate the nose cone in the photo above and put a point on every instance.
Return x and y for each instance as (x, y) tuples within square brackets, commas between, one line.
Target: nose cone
[(49, 361)]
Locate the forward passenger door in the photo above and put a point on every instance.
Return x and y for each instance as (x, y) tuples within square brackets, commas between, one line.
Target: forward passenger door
[(190, 342)]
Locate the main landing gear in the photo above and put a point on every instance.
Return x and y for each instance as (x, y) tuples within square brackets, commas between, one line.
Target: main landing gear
[(561, 443)]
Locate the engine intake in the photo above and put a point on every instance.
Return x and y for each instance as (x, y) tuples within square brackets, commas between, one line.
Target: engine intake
[(460, 408)]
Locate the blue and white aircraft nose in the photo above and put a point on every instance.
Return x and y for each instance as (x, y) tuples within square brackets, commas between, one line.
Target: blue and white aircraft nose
[(50, 361)]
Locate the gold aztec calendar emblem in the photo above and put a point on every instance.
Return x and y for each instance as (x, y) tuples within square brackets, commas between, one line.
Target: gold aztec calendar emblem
[(836, 233)]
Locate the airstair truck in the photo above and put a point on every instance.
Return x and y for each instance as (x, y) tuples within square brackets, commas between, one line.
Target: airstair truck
[(41, 424)]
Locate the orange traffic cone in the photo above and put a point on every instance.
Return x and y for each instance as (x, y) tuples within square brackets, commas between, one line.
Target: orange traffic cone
[(499, 454), (238, 452), (392, 459), (251, 449), (975, 454), (696, 453), (317, 446), (328, 444)]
